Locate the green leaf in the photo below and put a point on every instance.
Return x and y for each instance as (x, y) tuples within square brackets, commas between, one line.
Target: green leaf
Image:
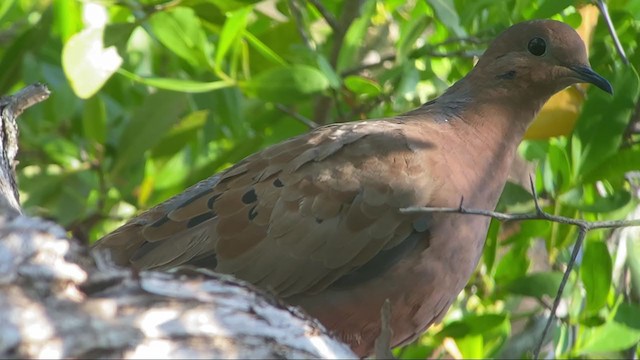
[(514, 196), (410, 32), (473, 325), (14, 55), (536, 284), (118, 34), (328, 71), (603, 120), (67, 18), (181, 85), (620, 333), (595, 272), (616, 166), (551, 7), (180, 30), (557, 167), (180, 135), (353, 38), (633, 261), (513, 264), (231, 31), (446, 12), (4, 7), (491, 245), (575, 199), (286, 84), (471, 347), (87, 63), (94, 120), (362, 86), (232, 5), (147, 126), (263, 49)]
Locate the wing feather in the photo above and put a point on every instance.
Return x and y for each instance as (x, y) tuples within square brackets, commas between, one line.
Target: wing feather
[(295, 217)]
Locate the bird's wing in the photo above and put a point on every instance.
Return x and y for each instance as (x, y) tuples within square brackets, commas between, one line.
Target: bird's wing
[(297, 216)]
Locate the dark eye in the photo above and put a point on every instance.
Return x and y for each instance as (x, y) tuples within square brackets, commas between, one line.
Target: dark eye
[(537, 46)]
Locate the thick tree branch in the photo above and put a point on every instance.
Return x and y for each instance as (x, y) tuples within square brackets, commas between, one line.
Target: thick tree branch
[(10, 108)]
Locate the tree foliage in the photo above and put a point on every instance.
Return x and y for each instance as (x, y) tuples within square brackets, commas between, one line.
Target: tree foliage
[(151, 96)]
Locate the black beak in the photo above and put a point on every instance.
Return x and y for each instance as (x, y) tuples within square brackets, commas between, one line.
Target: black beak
[(586, 74)]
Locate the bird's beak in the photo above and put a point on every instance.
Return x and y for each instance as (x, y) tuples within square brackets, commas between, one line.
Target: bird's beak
[(586, 74)]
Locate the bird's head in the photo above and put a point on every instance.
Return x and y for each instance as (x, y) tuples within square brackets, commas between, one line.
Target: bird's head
[(543, 56)]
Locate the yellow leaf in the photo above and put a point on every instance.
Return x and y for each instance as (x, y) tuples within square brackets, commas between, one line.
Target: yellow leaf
[(558, 116)]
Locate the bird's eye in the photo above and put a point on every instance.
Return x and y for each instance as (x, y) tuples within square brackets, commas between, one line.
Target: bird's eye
[(537, 46)]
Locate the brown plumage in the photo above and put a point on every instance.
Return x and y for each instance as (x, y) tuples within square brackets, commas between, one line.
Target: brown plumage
[(316, 218)]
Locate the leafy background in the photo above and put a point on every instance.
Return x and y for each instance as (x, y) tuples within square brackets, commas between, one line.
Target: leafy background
[(151, 96)]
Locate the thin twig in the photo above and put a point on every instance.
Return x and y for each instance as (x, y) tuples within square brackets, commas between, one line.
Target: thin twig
[(582, 232), (612, 30), (583, 225), (297, 116), (588, 225), (299, 21), (350, 12), (328, 17), (424, 51)]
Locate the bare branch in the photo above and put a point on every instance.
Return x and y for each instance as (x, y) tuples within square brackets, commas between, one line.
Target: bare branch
[(350, 12), (582, 233), (612, 30), (24, 99), (328, 17), (588, 225), (425, 51), (299, 21), (10, 108), (297, 116)]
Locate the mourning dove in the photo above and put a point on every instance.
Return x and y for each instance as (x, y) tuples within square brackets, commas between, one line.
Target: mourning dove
[(316, 218)]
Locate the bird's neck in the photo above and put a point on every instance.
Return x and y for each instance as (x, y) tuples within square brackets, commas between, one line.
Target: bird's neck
[(492, 111)]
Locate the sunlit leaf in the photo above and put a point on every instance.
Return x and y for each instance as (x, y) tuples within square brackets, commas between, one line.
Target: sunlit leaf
[(355, 34), (446, 12), (362, 86), (263, 49), (231, 32), (87, 63), (473, 325), (180, 30), (67, 19)]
